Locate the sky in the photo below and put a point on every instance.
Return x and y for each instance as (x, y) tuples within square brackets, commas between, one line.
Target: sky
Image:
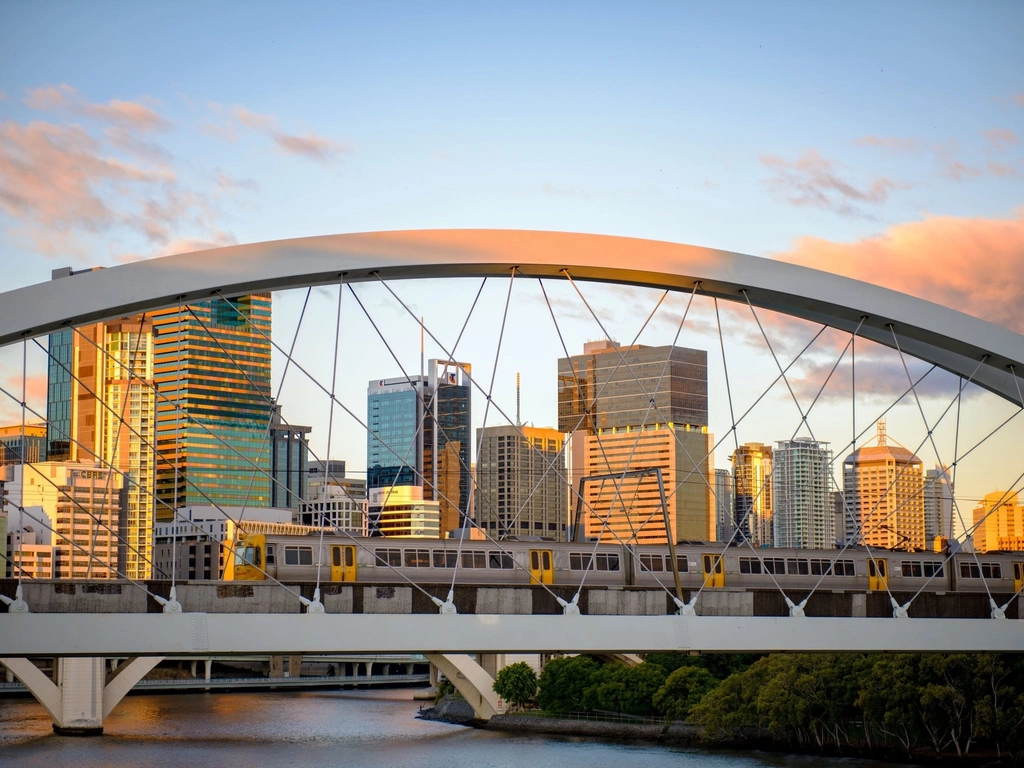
[(881, 141)]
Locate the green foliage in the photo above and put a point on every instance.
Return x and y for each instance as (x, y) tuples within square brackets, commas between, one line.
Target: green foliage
[(444, 688), (516, 684), (682, 691), (618, 688), (563, 681), (720, 665)]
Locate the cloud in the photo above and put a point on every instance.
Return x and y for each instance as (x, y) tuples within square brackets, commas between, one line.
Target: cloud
[(35, 395), (310, 145), (1018, 99), (814, 181), (131, 115), (1003, 170), (936, 259), (957, 171), (893, 144), (1000, 139), (217, 239), (226, 183)]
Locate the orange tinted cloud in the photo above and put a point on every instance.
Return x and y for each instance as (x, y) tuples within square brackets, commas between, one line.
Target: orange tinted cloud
[(126, 114), (309, 145), (1000, 139), (970, 264)]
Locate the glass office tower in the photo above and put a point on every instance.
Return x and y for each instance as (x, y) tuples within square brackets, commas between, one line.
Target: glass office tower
[(394, 448), (58, 395), (213, 359)]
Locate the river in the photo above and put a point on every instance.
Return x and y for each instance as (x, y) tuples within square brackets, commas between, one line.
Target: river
[(375, 728)]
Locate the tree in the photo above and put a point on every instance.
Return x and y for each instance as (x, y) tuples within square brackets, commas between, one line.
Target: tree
[(618, 688), (516, 684), (563, 681), (682, 691)]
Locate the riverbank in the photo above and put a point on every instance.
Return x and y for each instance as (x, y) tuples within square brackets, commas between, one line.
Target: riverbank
[(677, 734)]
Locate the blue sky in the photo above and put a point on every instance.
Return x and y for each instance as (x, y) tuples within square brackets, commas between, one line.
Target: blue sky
[(853, 137)]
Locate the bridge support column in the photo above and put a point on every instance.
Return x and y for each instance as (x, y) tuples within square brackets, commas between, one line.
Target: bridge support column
[(471, 680), (84, 693)]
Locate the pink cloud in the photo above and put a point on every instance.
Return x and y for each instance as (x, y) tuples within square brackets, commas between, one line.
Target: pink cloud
[(936, 259), (309, 145), (957, 171), (1018, 99), (126, 114), (1003, 170), (1000, 139), (813, 180), (252, 119)]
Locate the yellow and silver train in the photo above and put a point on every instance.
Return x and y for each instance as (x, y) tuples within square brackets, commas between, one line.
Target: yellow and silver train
[(297, 558)]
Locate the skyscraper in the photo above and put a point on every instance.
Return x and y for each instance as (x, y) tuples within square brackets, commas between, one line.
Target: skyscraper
[(289, 460), (605, 397), (213, 360), (725, 523), (803, 512), (419, 435), (752, 492), (517, 494), (940, 518), (102, 405), (884, 488), (33, 436), (999, 523)]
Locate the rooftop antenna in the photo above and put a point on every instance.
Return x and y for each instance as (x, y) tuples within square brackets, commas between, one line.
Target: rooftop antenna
[(880, 427), (519, 423)]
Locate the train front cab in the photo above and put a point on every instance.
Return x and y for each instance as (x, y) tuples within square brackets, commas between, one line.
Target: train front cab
[(343, 562), (713, 569), (542, 566), (248, 561), (1018, 577), (878, 574)]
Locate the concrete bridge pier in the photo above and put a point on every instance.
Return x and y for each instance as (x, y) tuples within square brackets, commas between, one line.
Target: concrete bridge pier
[(84, 693), (471, 680)]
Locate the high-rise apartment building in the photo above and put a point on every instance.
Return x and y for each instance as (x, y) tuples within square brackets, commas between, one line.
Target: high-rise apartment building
[(725, 523), (82, 502), (403, 513), (33, 436), (289, 462), (419, 435), (803, 511), (102, 407), (999, 523), (940, 518), (520, 490), (605, 403), (752, 493), (212, 360), (884, 489)]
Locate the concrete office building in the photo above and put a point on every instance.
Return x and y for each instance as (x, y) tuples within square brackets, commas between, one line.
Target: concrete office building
[(604, 404), (941, 523), (340, 505), (82, 502), (11, 442), (999, 523), (403, 513), (102, 407), (752, 493), (884, 489), (520, 488), (212, 359), (803, 509), (319, 472), (289, 462)]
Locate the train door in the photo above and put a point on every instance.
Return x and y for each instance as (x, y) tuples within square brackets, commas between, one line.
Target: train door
[(713, 569), (878, 574), (343, 562), (1018, 577), (542, 566)]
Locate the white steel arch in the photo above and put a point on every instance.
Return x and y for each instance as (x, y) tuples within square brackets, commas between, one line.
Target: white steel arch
[(990, 356)]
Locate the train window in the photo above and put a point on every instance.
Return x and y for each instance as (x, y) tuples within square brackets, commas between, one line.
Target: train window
[(844, 568), (474, 559), (607, 561), (391, 557), (547, 561), (871, 568), (500, 560), (579, 561), (969, 571), (350, 556), (445, 559), (534, 560), (298, 555), (1016, 571), (417, 558), (797, 567), (336, 557), (821, 568), (750, 565), (988, 570), (774, 565), (247, 556), (651, 562), (911, 570), (270, 554), (682, 564), (932, 569)]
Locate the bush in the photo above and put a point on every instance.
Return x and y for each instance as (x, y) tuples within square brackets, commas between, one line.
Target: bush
[(516, 684), (563, 682), (618, 688), (682, 691)]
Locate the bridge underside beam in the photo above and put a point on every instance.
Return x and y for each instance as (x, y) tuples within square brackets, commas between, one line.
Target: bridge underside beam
[(204, 634), (471, 680)]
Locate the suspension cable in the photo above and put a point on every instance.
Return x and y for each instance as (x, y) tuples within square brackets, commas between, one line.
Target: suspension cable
[(330, 417)]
